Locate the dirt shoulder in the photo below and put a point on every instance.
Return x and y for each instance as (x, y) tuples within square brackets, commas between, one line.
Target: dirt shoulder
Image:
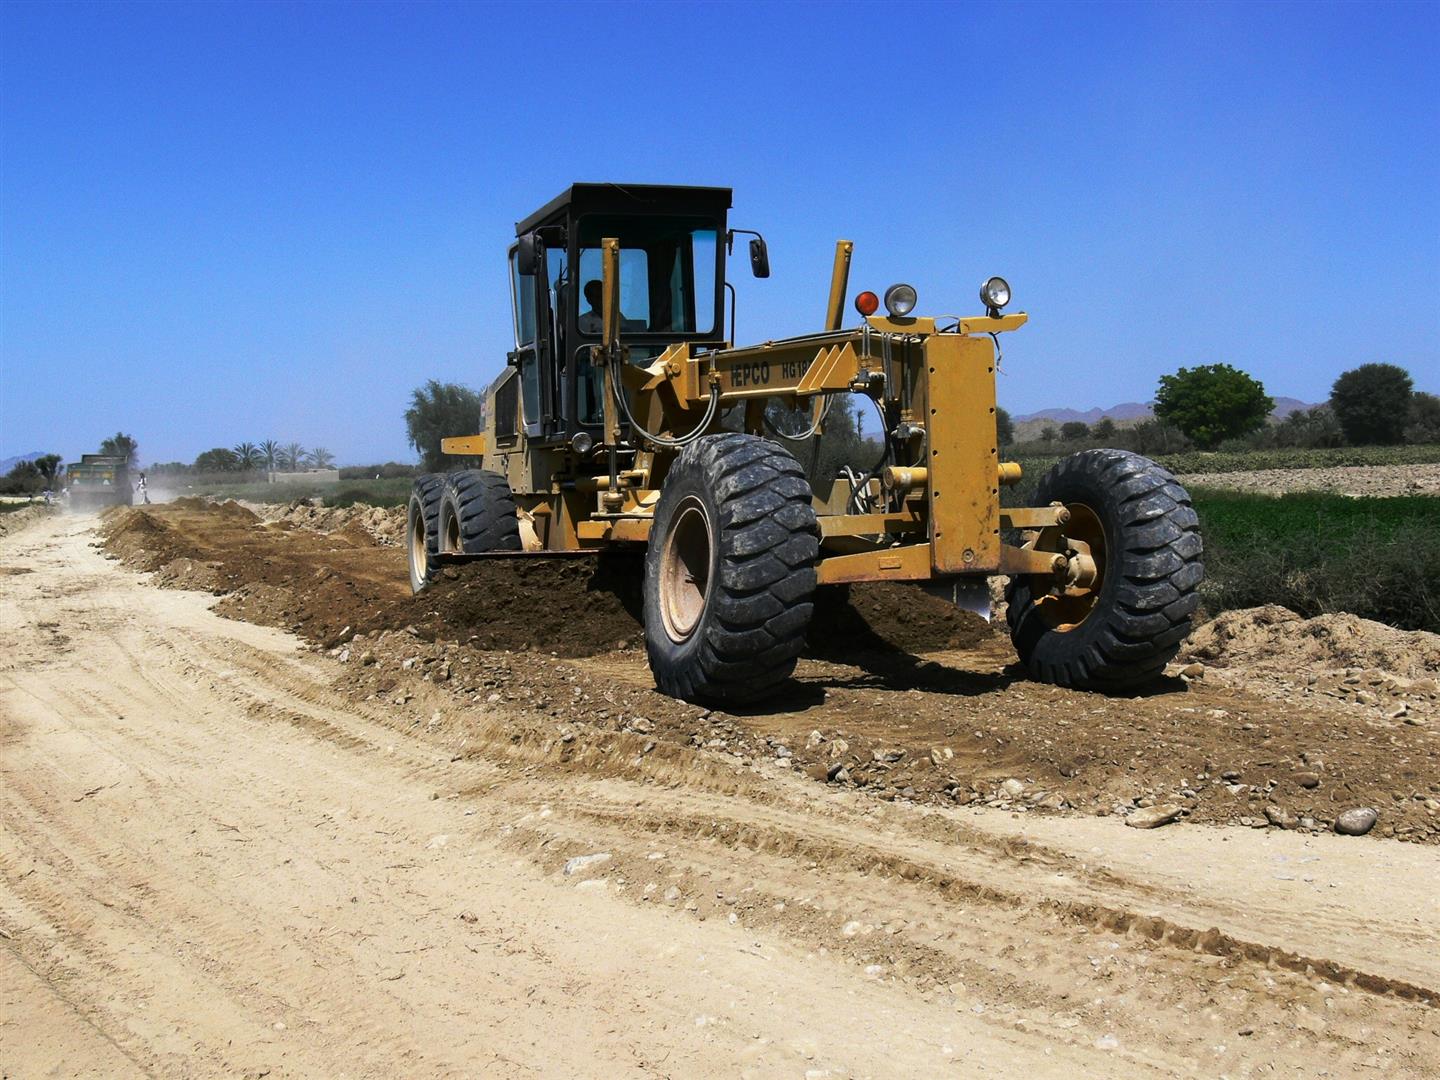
[(223, 853)]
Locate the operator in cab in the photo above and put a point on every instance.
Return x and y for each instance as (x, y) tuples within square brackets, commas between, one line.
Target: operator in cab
[(593, 321)]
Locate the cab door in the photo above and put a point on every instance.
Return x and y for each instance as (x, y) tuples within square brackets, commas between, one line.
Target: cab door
[(534, 354)]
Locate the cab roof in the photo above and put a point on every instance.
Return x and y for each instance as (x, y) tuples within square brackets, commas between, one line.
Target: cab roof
[(628, 198)]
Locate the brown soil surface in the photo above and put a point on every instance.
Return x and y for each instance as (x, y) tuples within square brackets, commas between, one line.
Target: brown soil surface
[(15, 520), (225, 853), (1281, 723), (1374, 480)]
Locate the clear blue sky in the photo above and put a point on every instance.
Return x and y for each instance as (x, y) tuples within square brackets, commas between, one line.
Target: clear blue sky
[(226, 222)]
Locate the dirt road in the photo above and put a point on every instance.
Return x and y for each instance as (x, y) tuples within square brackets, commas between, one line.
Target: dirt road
[(222, 853)]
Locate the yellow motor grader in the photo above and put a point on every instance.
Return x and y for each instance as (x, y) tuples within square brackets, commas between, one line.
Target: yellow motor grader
[(626, 419)]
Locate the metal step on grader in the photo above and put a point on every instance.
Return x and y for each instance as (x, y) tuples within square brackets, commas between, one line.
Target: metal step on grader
[(626, 419)]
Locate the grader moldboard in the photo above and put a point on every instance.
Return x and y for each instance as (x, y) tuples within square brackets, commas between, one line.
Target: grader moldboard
[(625, 419)]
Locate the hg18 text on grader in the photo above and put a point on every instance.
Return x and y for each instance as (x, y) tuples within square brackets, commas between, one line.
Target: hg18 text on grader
[(625, 419)]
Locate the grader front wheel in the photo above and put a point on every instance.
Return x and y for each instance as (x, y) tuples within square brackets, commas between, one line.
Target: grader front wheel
[(730, 570), (1133, 548)]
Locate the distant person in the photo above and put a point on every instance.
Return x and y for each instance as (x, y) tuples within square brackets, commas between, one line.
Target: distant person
[(140, 487), (49, 496)]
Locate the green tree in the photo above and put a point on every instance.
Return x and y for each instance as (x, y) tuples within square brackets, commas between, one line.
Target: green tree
[(122, 445), (23, 479), (1104, 429), (48, 466), (1074, 430), (438, 410), (290, 456), (1047, 434), (837, 445), (248, 456), (217, 460), (271, 449), (320, 458), (1372, 403), (1004, 427), (1423, 424), (1212, 402)]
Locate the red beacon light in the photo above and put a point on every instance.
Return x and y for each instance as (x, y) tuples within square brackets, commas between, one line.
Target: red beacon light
[(867, 303)]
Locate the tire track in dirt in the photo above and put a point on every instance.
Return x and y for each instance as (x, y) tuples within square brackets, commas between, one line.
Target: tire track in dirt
[(876, 931)]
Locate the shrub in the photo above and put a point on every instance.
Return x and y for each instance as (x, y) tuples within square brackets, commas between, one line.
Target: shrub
[(1372, 403), (1423, 424)]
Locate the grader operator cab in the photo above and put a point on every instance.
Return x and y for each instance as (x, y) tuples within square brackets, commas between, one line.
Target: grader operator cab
[(627, 418)]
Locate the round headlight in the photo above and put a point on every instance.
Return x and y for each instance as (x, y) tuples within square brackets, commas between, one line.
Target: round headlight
[(995, 293), (866, 303), (900, 300), (581, 443)]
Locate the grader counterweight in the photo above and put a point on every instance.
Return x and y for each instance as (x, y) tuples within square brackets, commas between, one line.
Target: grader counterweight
[(625, 418)]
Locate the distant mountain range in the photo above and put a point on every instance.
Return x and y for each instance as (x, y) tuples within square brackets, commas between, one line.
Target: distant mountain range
[(1134, 410), (10, 462)]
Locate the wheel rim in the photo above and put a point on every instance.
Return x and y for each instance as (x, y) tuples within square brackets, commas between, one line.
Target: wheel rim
[(451, 540), (1068, 605), (685, 569), (419, 553)]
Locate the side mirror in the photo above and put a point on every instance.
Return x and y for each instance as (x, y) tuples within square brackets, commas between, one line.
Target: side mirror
[(759, 258), (527, 255)]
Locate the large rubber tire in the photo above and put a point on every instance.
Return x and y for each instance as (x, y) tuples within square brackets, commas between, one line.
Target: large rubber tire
[(477, 513), (1150, 571), (730, 570), (422, 529)]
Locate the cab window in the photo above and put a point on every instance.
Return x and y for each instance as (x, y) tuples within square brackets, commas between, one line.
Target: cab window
[(522, 295), (667, 274)]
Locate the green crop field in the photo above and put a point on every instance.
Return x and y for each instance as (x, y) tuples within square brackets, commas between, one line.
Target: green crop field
[(1316, 553)]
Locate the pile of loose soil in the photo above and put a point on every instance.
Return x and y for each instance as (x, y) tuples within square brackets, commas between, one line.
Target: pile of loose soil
[(143, 540), (318, 584), (885, 617), (1386, 674), (581, 606), (384, 524), (569, 606), (1276, 636)]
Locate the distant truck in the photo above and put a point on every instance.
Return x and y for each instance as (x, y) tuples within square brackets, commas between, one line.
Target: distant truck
[(97, 481)]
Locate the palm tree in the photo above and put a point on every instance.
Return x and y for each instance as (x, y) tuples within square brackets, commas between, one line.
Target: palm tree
[(248, 456), (271, 449), (290, 456), (122, 445), (320, 458)]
